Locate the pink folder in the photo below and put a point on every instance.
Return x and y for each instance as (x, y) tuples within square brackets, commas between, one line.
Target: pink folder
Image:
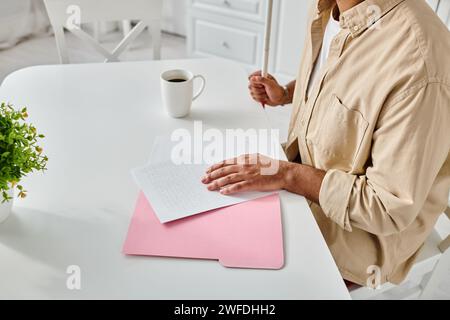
[(247, 235)]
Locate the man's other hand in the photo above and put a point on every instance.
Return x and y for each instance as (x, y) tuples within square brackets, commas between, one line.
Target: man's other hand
[(266, 90)]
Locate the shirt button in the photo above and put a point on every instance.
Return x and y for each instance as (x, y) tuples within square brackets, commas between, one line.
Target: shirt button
[(355, 28)]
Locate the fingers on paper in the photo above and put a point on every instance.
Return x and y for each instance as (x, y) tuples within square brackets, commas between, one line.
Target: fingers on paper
[(225, 181), (237, 188), (221, 164), (220, 172)]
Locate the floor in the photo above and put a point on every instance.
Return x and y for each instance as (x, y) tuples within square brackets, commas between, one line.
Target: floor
[(42, 50)]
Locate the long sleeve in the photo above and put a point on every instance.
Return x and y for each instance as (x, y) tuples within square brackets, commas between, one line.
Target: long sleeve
[(410, 147)]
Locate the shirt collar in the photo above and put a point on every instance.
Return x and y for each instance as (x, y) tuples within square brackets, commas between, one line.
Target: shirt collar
[(361, 16)]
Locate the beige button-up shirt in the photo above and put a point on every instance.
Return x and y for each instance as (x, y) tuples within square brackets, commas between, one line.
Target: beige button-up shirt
[(378, 121)]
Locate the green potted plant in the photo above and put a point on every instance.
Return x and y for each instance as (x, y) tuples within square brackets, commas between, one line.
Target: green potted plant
[(20, 155)]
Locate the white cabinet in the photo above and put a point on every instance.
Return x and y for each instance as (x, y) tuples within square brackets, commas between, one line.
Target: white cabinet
[(225, 41), (234, 29), (253, 9), (231, 29)]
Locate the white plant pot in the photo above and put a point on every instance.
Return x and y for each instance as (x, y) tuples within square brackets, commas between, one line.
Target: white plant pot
[(6, 208)]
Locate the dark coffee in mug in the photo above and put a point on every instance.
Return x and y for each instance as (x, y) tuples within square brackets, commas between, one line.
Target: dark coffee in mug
[(177, 80)]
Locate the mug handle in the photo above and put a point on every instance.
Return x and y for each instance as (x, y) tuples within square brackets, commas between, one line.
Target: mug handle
[(202, 88)]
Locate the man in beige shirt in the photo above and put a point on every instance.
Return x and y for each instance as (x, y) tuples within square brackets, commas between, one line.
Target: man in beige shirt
[(369, 139)]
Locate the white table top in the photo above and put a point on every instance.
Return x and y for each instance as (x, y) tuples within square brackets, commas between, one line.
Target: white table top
[(100, 121)]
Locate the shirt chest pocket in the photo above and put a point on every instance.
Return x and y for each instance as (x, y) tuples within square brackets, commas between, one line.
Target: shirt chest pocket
[(337, 137)]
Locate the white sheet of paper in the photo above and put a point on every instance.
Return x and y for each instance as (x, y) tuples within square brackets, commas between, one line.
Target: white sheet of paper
[(176, 191)]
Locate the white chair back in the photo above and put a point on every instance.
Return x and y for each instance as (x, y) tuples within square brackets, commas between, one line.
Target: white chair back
[(70, 14)]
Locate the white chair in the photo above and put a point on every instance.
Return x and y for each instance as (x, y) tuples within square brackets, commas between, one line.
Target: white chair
[(70, 14), (417, 279)]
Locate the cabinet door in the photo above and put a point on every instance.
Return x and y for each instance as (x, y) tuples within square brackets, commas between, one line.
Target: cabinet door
[(252, 10), (224, 41), (291, 32)]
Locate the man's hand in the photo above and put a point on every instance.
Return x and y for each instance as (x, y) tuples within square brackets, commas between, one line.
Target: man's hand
[(246, 173), (267, 90), (255, 173)]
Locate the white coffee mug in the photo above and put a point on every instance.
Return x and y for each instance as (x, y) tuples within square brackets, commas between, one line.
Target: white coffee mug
[(177, 88)]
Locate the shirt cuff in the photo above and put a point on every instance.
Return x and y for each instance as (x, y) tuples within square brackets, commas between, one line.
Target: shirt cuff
[(335, 195)]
